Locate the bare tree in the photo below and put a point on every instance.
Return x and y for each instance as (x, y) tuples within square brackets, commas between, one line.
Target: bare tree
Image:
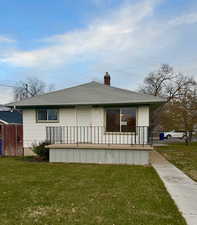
[(165, 83), (155, 83), (30, 88), (184, 110), (179, 91)]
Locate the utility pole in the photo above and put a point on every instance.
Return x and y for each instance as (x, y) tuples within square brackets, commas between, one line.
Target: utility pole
[(26, 90)]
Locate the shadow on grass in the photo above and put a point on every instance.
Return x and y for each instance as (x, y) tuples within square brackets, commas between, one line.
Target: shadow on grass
[(177, 147), (34, 159)]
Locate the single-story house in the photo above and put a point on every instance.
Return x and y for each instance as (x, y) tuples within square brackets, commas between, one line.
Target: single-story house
[(11, 133), (92, 122)]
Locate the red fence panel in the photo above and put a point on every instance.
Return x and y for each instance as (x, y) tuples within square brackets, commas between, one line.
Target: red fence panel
[(12, 138)]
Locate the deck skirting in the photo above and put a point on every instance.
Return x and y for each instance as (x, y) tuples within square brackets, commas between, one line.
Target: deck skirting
[(100, 156)]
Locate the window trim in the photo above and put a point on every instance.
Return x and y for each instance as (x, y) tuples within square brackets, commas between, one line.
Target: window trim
[(46, 121), (119, 132)]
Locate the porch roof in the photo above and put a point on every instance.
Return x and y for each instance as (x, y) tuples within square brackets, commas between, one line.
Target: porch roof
[(92, 93), (9, 117)]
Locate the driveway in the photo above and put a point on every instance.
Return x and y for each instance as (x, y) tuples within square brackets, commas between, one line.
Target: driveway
[(182, 189)]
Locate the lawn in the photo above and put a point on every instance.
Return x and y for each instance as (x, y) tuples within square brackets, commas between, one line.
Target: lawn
[(34, 193), (182, 156)]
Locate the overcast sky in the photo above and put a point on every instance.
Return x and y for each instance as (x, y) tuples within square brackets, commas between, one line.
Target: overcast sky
[(68, 42)]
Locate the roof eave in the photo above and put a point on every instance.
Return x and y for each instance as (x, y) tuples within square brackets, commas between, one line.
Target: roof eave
[(88, 104)]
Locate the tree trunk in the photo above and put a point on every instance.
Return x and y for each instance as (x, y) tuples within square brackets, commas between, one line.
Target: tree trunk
[(188, 139)]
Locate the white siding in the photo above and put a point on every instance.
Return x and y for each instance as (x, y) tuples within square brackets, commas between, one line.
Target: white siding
[(143, 116), (80, 116), (98, 116), (84, 116), (36, 132)]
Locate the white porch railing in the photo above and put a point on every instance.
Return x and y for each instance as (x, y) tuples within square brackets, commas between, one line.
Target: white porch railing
[(96, 135)]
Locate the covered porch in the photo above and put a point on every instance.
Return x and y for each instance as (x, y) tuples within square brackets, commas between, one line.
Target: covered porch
[(98, 136), (94, 145)]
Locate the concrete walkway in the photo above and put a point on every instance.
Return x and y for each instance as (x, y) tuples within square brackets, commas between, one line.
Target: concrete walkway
[(182, 189)]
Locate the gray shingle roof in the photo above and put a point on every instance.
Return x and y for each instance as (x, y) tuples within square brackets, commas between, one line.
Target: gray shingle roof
[(92, 93)]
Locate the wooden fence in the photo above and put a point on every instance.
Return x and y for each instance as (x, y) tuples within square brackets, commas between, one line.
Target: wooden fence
[(11, 139)]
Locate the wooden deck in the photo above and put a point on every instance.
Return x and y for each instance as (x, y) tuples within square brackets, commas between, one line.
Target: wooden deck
[(101, 146)]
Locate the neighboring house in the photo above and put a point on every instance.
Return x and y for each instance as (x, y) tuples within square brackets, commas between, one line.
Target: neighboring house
[(91, 115), (11, 133)]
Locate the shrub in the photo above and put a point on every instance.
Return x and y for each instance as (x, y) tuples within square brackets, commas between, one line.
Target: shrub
[(41, 150)]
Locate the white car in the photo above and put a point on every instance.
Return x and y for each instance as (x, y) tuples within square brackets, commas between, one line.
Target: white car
[(174, 134)]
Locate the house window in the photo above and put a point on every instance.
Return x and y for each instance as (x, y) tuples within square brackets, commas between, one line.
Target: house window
[(47, 115), (121, 119)]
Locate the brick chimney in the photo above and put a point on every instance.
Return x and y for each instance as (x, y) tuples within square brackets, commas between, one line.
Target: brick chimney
[(107, 79)]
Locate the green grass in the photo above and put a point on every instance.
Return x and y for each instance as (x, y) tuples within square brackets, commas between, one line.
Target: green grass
[(33, 193), (182, 156)]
